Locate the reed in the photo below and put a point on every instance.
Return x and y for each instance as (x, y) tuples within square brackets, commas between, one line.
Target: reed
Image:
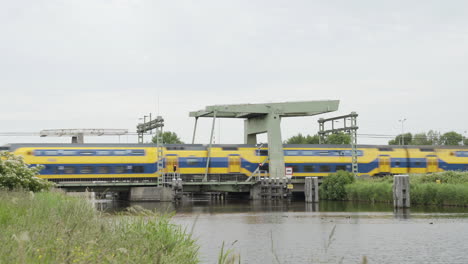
[(369, 190), (51, 227), (444, 188)]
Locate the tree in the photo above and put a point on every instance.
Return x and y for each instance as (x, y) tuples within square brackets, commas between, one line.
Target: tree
[(434, 137), (15, 174), (451, 138), (421, 139), (169, 138), (299, 139), (313, 139), (402, 139), (338, 138)]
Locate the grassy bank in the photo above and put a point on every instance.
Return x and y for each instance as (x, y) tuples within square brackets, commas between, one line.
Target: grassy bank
[(445, 188), (51, 227)]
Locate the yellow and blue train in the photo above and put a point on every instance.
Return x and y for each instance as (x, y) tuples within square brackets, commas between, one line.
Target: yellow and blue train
[(135, 162)]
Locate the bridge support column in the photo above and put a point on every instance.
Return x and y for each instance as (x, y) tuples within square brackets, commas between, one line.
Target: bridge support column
[(401, 191), (270, 189), (311, 190), (160, 193), (256, 192)]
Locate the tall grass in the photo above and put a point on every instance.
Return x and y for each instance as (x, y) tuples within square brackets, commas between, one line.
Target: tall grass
[(444, 188), (450, 177), (368, 190), (439, 194), (55, 228)]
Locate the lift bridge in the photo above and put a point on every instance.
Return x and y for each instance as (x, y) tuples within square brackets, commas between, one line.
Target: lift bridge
[(258, 119)]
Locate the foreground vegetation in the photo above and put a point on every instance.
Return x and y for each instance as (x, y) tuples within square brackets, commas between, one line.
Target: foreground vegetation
[(445, 188), (50, 227)]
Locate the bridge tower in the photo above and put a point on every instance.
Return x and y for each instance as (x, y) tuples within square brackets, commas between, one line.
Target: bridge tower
[(264, 118)]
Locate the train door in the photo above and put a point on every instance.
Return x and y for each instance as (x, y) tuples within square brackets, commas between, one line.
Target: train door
[(234, 163), (384, 164), (172, 164), (432, 163)]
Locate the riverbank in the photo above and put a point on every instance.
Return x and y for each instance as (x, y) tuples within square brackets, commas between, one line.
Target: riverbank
[(445, 188), (50, 227)]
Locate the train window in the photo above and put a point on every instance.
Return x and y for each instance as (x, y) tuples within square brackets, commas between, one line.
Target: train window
[(138, 152), (291, 152), (308, 152), (461, 153), (86, 153), (417, 163), (230, 148), (68, 152), (341, 167), (324, 168), (324, 153), (50, 153), (261, 152), (138, 169), (69, 169), (120, 169), (86, 169), (103, 169), (175, 148), (295, 168), (385, 149), (103, 152), (397, 163), (193, 161), (427, 149), (309, 168), (264, 167), (120, 152)]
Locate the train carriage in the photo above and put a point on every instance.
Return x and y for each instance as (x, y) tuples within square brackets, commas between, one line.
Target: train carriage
[(137, 162)]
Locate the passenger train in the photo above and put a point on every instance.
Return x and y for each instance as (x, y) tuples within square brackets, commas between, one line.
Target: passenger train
[(138, 162)]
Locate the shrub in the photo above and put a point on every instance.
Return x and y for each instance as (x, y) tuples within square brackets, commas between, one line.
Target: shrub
[(333, 186), (15, 174)]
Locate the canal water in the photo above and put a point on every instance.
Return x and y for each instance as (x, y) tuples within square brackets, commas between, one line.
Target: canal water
[(330, 232)]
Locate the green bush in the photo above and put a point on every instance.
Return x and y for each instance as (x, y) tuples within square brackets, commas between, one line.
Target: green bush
[(333, 186), (15, 174), (50, 227)]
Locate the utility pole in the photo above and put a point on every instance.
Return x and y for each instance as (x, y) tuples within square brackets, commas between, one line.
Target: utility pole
[(402, 138), (351, 129)]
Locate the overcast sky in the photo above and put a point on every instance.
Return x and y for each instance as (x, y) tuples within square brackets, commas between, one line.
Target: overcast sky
[(105, 63)]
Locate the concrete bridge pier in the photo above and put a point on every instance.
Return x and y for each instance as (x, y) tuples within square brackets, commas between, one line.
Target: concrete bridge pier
[(311, 190), (401, 191), (270, 189), (158, 193)]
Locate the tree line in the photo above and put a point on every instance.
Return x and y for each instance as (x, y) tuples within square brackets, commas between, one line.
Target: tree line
[(337, 138), (431, 137)]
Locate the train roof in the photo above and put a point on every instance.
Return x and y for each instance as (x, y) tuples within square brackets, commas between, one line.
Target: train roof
[(204, 146)]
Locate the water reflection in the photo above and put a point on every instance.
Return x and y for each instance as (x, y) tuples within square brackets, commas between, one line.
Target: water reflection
[(311, 207), (402, 213), (298, 232), (206, 206)]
